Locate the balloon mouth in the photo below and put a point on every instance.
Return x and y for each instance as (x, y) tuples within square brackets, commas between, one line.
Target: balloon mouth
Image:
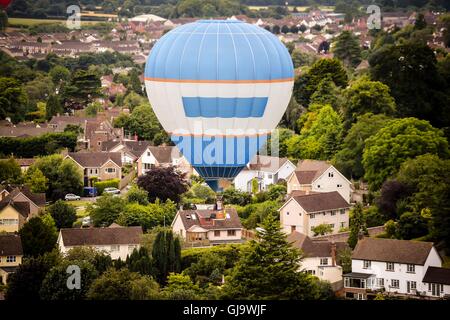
[(219, 21)]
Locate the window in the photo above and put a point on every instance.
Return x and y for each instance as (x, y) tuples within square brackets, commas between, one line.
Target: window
[(110, 170), (131, 247), (11, 259), (114, 248), (413, 285), (323, 261), (148, 153), (331, 225), (318, 186), (366, 264), (313, 272), (410, 268), (333, 212), (231, 233), (342, 211), (287, 213), (216, 233), (330, 174), (339, 185), (269, 176), (389, 266), (9, 222), (312, 216), (395, 283), (380, 282), (342, 224), (293, 228)]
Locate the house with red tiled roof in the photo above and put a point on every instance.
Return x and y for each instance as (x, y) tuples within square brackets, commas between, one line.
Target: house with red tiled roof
[(208, 227)]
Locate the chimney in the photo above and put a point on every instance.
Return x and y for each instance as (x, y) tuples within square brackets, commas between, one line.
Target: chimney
[(333, 253), (219, 203), (360, 235)]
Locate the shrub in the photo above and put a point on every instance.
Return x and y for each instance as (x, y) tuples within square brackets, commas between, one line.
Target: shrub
[(101, 185)]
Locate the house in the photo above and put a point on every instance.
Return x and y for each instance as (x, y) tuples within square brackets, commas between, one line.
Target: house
[(98, 165), (117, 241), (319, 257), (303, 212), (319, 176), (25, 163), (36, 201), (13, 215), (266, 170), (11, 254), (396, 267), (163, 156), (208, 227), (130, 150)]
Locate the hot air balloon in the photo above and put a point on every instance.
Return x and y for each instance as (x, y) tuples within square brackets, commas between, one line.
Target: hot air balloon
[(219, 87)]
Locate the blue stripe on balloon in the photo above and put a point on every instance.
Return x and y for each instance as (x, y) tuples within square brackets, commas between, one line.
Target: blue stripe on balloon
[(214, 152), (224, 107)]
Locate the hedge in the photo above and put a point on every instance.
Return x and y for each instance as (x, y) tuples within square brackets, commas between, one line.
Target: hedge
[(42, 145), (101, 185), (231, 253)]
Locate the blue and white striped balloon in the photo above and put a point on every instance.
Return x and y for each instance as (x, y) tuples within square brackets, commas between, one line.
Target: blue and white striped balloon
[(218, 88)]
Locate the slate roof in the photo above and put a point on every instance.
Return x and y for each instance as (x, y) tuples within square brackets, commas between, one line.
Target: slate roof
[(163, 154), (37, 198), (101, 236), (206, 220), (136, 148), (95, 159), (392, 250), (10, 245), (267, 163), (437, 275), (314, 248), (323, 201)]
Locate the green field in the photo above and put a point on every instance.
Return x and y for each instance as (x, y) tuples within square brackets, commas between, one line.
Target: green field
[(32, 22)]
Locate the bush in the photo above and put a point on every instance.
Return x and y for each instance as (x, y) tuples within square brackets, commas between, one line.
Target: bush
[(229, 252), (101, 185)]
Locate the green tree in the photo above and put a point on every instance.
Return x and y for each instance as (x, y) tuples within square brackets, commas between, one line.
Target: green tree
[(365, 96), (138, 195), (25, 283), (106, 210), (36, 180), (166, 254), (37, 237), (13, 100), (233, 196), (180, 287), (349, 159), (347, 48), (208, 269), (327, 93), (101, 260), (59, 74), (398, 141), (320, 136), (357, 224), (132, 100), (93, 108), (410, 71), (83, 88), (9, 171), (123, 285), (307, 84), (411, 225), (322, 229), (3, 20), (54, 285), (269, 269), (64, 214), (140, 261)]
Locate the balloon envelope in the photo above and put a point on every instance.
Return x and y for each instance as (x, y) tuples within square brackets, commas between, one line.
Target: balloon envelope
[(218, 88)]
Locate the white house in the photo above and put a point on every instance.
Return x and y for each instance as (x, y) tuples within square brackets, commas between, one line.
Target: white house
[(319, 257), (319, 176), (117, 241), (267, 170), (208, 227), (396, 267), (303, 212)]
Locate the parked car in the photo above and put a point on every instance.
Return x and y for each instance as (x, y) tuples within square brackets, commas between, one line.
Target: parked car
[(71, 196), (111, 190)]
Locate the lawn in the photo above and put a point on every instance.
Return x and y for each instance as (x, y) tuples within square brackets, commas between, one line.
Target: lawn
[(32, 22)]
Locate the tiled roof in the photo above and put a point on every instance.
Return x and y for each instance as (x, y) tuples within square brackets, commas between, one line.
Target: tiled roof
[(22, 208), (437, 275), (95, 159), (392, 250), (309, 170), (101, 236), (163, 154), (10, 245), (267, 163), (322, 201), (205, 219), (37, 198), (314, 248)]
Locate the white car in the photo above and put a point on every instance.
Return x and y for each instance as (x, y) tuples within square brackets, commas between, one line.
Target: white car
[(111, 190), (71, 196)]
